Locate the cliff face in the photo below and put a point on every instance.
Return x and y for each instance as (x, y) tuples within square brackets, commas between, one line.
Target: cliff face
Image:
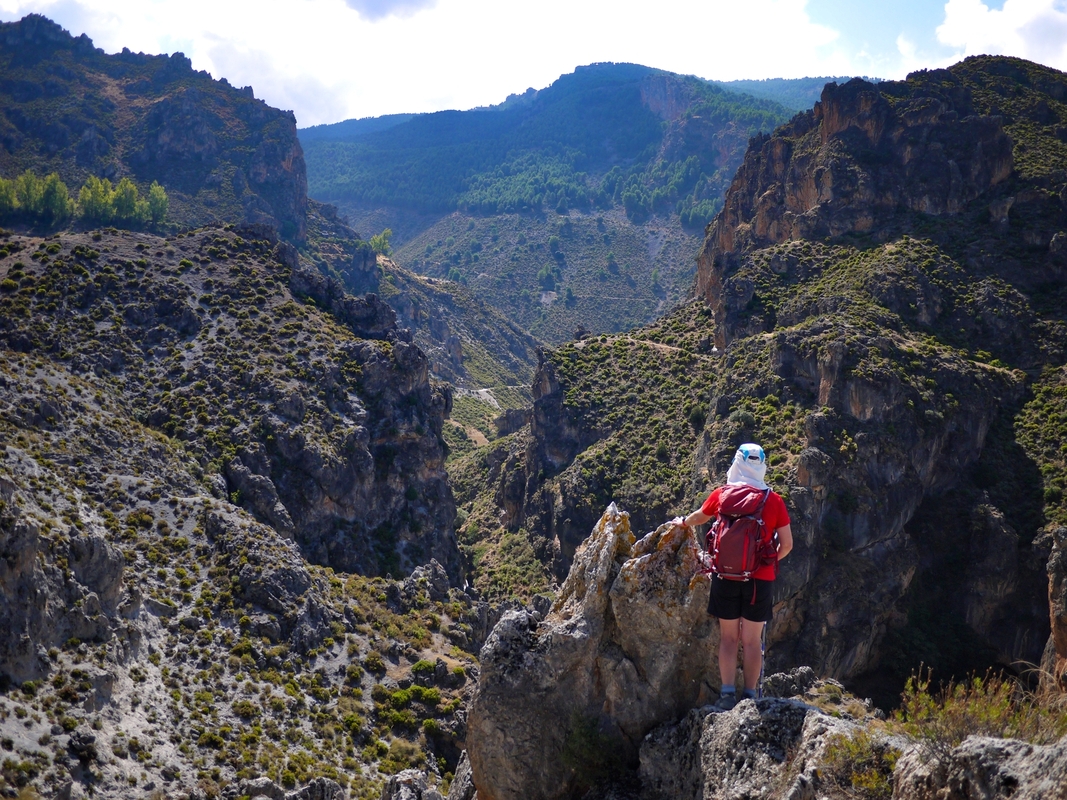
[(849, 165), (66, 106), (821, 290)]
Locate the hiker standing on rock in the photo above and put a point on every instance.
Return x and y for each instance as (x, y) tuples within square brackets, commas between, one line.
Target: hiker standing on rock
[(744, 563)]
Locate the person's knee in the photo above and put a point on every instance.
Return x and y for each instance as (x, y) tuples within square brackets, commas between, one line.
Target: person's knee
[(752, 635)]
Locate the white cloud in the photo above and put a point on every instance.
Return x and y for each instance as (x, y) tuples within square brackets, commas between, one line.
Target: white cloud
[(911, 58), (334, 59), (1032, 29), (377, 9)]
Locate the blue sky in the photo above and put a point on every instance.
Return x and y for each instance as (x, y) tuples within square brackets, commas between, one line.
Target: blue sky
[(874, 28), (330, 60)]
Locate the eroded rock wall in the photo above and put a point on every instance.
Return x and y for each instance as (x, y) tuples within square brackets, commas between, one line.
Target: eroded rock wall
[(848, 165), (866, 267)]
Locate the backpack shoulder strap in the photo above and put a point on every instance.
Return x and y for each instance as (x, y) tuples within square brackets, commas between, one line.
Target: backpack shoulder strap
[(759, 509)]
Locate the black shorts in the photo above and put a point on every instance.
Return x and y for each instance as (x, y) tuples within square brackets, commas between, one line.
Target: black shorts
[(752, 600)]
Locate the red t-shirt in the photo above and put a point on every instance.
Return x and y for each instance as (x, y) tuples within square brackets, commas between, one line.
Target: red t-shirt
[(774, 516)]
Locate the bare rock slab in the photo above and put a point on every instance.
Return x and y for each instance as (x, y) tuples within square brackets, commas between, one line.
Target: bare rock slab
[(627, 646)]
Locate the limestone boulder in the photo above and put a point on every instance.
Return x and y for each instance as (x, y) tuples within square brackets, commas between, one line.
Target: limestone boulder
[(409, 785), (775, 747), (627, 646), (984, 767)]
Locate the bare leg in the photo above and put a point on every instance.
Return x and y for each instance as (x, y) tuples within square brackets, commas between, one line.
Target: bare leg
[(729, 633), (751, 636)]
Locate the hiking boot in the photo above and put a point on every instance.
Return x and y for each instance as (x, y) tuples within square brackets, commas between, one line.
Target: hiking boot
[(726, 701)]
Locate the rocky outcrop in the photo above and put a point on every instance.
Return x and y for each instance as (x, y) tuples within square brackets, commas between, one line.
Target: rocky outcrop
[(42, 604), (541, 677), (266, 789), (806, 738), (772, 748), (547, 510), (409, 785), (367, 316), (848, 165), (269, 573), (462, 787), (627, 645), (1054, 663), (984, 767)]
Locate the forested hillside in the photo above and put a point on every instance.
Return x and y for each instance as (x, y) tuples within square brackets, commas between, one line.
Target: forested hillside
[(68, 108), (580, 204), (592, 140), (796, 94)]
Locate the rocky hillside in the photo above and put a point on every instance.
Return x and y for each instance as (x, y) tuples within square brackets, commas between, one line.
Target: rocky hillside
[(488, 359), (581, 203), (469, 344), (221, 154), (881, 305), (224, 156), (309, 407), (208, 452)]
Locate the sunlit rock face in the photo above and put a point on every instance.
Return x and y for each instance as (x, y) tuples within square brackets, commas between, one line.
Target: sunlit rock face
[(627, 646), (849, 164)]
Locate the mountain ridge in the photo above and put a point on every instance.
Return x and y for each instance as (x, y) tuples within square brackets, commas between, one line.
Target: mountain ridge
[(66, 106), (221, 452), (627, 156)]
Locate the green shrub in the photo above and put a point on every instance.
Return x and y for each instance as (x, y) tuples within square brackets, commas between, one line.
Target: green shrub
[(422, 668), (211, 739), (861, 764), (245, 708), (374, 662), (401, 755), (991, 706)]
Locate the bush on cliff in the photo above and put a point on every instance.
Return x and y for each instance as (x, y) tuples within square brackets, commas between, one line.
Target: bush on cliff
[(861, 765), (992, 705)]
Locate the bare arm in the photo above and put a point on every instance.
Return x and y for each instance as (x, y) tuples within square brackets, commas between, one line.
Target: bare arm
[(785, 541), (698, 517)]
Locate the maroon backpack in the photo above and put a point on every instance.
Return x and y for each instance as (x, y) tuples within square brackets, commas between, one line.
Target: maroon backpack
[(737, 542)]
